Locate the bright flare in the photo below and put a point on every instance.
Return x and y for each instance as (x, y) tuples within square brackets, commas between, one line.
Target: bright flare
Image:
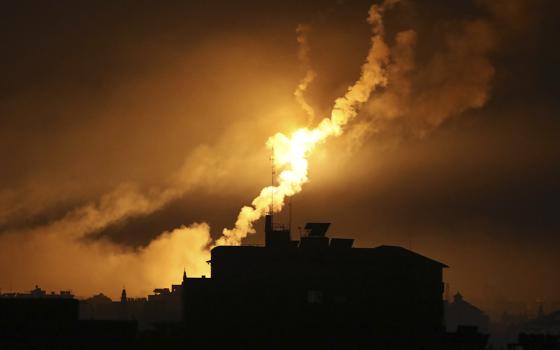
[(291, 153)]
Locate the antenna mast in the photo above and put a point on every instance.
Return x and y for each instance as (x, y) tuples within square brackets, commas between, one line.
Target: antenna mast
[(273, 173)]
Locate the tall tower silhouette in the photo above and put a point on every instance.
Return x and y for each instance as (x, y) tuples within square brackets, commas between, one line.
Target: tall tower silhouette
[(123, 312), (123, 296)]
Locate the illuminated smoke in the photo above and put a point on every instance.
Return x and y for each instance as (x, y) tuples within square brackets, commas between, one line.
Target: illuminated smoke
[(291, 152), (456, 78), (303, 56), (42, 254), (423, 94), (54, 260)]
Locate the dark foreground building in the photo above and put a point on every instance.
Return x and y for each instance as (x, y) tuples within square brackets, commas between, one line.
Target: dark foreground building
[(37, 320), (316, 293)]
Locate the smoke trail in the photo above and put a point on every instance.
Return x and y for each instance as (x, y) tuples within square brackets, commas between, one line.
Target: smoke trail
[(291, 152), (42, 253), (310, 75), (53, 261), (456, 77)]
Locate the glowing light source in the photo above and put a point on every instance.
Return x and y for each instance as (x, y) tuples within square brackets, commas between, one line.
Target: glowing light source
[(291, 153)]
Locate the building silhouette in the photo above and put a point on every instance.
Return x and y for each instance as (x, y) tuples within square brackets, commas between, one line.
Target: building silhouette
[(164, 305), (536, 341), (320, 291), (40, 320), (460, 312), (38, 307), (314, 293)]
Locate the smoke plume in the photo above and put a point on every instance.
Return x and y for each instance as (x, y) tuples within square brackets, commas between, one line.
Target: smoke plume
[(303, 56), (394, 88), (291, 152), (161, 261), (55, 259), (420, 96)]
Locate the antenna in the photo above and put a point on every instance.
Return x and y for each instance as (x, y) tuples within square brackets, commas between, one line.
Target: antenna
[(273, 173)]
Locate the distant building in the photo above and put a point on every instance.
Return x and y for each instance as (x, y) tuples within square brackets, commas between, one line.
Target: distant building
[(38, 306), (465, 338), (36, 320), (462, 313), (39, 293), (544, 324), (164, 305), (540, 333), (528, 341), (321, 292), (98, 307), (101, 307)]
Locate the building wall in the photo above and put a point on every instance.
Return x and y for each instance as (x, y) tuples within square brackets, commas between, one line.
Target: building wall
[(388, 295)]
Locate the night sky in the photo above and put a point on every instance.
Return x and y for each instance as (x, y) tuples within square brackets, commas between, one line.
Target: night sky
[(121, 121)]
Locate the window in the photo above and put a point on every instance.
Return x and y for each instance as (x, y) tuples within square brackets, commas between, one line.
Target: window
[(314, 297)]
